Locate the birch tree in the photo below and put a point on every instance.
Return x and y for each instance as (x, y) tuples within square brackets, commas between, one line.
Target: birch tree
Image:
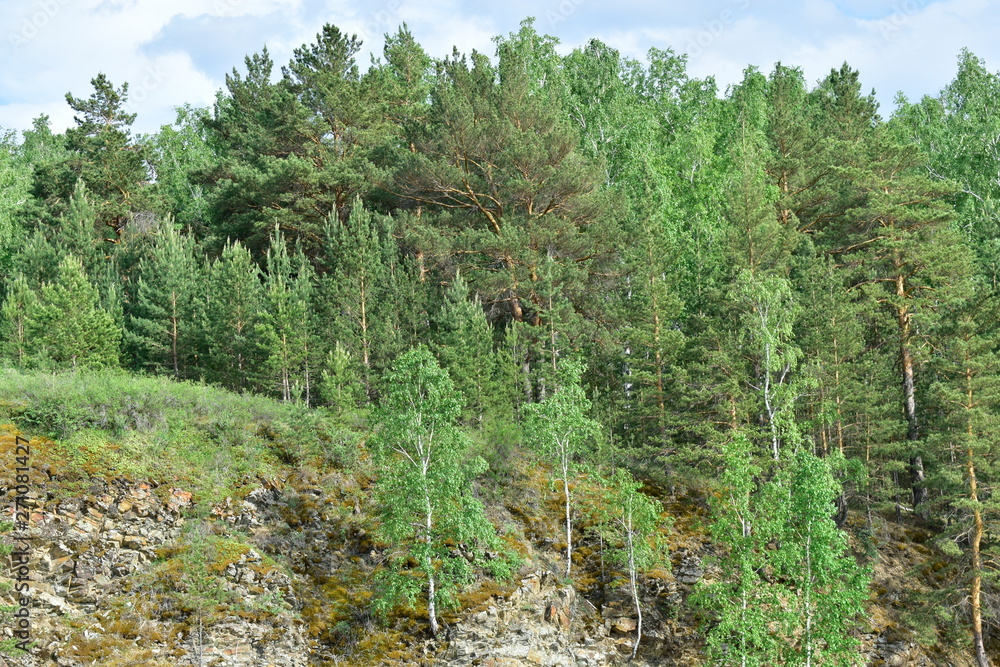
[(560, 428), (629, 521), (425, 485), (829, 588)]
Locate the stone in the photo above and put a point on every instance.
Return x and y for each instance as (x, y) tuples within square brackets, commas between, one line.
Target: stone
[(134, 542), (626, 625), (690, 570)]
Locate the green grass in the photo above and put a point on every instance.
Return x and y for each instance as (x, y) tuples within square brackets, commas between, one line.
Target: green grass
[(112, 424), (57, 404)]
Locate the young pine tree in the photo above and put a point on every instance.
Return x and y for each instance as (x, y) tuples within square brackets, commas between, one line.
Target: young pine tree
[(77, 233), (465, 348), (15, 322), (286, 327), (230, 317), (360, 253), (67, 327), (163, 329)]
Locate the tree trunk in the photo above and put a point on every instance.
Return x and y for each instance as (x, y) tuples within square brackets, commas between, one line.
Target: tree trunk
[(429, 566), (909, 394), (977, 577), (808, 592), (431, 607), (633, 580), (286, 382), (977, 533), (657, 349), (173, 334), (569, 524)]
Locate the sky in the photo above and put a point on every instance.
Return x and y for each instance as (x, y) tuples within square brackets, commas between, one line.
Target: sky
[(173, 52)]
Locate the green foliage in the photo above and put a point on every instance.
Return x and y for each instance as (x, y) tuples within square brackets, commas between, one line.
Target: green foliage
[(768, 317), (790, 590), (465, 348), (359, 287), (287, 325), (294, 151), (745, 604), (66, 325), (424, 483), (830, 589), (749, 278), (104, 155), (15, 182), (506, 188), (231, 312), (8, 646), (163, 328), (560, 429), (177, 154), (629, 523), (340, 383), (16, 315)]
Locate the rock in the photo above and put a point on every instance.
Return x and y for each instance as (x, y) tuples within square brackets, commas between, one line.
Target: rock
[(690, 570), (626, 625), (134, 542)]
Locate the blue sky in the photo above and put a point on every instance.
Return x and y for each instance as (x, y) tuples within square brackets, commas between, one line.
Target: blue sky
[(178, 51)]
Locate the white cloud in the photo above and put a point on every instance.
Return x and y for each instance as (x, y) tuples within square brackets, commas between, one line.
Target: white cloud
[(54, 46)]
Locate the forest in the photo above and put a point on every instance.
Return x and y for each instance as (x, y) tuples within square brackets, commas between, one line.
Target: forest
[(777, 291)]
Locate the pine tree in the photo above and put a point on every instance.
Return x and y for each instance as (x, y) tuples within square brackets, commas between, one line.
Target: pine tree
[(287, 323), (77, 231), (15, 322), (799, 158), (968, 390), (653, 341), (163, 328), (340, 379), (104, 154), (465, 348), (231, 315), (15, 182), (831, 335), (759, 242), (356, 289), (906, 258), (37, 260), (68, 328)]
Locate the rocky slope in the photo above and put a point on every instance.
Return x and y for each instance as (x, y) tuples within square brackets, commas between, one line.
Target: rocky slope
[(141, 572)]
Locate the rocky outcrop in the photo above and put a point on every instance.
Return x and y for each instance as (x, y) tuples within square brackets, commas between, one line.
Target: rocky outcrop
[(81, 546), (85, 551), (548, 623), (88, 550)]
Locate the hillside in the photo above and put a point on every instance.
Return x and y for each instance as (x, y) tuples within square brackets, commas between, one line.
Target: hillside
[(172, 523)]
